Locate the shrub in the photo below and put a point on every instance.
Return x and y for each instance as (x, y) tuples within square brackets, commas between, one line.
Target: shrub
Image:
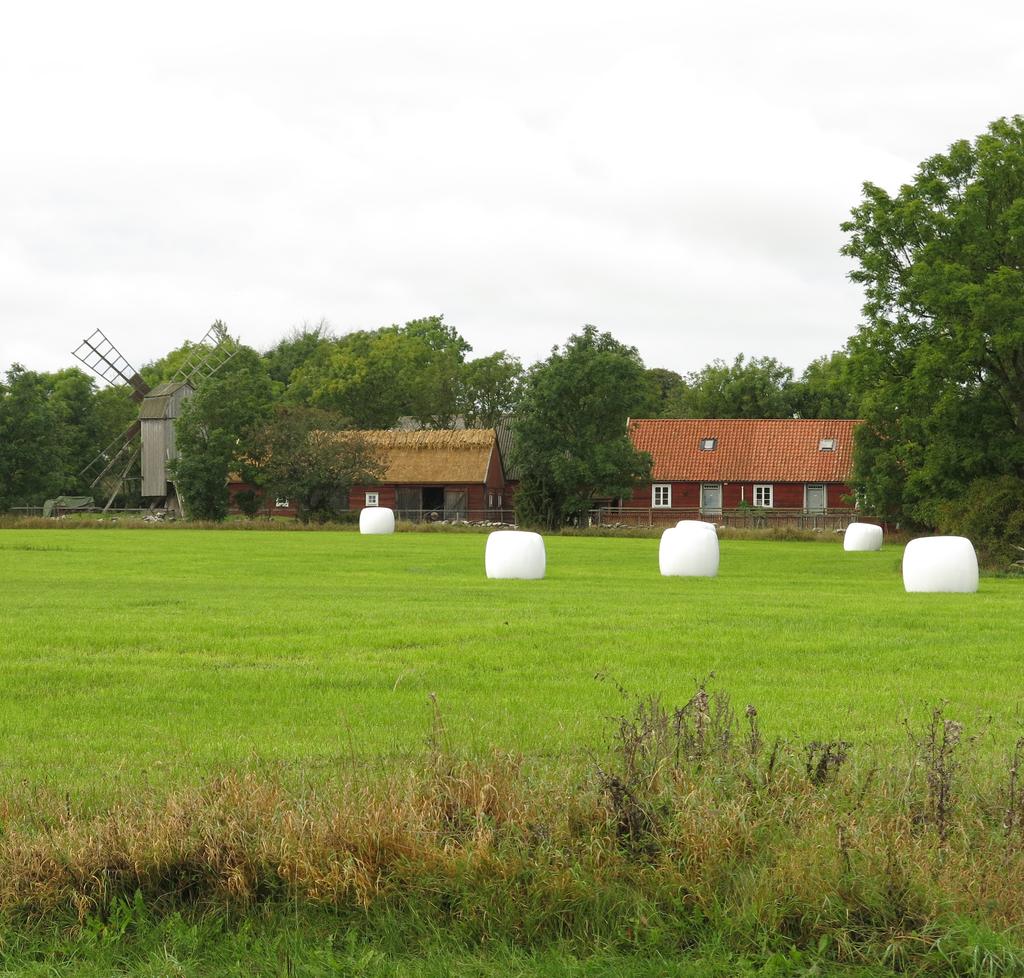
[(991, 516), (248, 502)]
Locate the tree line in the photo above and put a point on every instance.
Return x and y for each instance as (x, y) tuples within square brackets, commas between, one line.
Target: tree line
[(53, 424), (935, 371)]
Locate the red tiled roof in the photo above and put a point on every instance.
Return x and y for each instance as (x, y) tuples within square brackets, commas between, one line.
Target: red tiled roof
[(777, 450)]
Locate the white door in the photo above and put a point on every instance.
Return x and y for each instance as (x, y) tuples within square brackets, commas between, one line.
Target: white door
[(711, 498), (815, 499)]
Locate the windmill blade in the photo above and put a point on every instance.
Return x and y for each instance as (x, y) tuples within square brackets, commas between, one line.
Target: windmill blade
[(208, 355), (107, 460), (122, 478), (104, 360)]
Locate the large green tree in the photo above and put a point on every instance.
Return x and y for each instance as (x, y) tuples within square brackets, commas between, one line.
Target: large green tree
[(166, 367), (31, 463), (663, 389), (375, 377), (940, 355), (52, 425), (215, 429), (571, 440), (491, 388), (756, 388), (827, 388), (87, 420), (294, 350), (306, 455)]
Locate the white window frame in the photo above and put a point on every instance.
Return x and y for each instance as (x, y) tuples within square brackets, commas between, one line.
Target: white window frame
[(709, 444), (827, 444), (372, 499), (281, 502), (764, 489), (666, 493)]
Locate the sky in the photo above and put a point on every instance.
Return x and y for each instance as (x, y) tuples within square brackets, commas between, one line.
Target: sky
[(673, 173)]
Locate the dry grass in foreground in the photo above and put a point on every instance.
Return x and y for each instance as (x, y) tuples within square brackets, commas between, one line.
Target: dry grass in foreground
[(689, 826)]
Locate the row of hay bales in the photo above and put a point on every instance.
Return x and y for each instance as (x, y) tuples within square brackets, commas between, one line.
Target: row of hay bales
[(690, 549)]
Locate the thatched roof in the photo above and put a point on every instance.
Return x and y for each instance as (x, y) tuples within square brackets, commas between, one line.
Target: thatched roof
[(433, 456)]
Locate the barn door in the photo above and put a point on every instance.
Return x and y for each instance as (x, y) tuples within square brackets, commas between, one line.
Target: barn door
[(456, 504), (408, 502)]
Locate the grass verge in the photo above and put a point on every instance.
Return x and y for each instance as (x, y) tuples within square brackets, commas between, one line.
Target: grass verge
[(691, 838)]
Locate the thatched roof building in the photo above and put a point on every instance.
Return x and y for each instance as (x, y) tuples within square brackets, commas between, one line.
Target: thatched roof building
[(434, 456), (452, 474), (436, 474)]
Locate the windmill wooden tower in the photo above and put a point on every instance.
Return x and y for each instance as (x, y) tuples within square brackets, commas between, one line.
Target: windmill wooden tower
[(151, 436)]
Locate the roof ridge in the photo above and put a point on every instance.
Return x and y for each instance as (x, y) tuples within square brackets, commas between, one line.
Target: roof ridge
[(751, 420)]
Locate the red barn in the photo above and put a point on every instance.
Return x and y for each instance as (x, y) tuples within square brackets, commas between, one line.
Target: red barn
[(785, 469), (443, 475), (428, 475)]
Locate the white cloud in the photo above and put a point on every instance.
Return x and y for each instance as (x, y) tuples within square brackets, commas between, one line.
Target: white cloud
[(674, 175)]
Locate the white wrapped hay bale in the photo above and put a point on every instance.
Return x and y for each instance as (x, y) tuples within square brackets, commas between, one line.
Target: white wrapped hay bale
[(377, 519), (515, 555), (940, 564), (862, 536), (682, 524), (688, 551)]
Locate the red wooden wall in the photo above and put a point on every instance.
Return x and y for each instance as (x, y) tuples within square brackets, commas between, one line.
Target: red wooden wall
[(476, 494), (787, 495)]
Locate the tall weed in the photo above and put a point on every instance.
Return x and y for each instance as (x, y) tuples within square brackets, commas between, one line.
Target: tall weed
[(689, 828)]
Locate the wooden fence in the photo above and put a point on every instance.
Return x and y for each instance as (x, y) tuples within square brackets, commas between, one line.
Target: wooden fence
[(746, 517), (457, 515)]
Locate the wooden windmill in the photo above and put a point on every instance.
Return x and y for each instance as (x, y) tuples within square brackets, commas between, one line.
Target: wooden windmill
[(151, 436)]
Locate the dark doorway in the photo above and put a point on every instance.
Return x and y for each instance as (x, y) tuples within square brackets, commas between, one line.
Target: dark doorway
[(433, 502)]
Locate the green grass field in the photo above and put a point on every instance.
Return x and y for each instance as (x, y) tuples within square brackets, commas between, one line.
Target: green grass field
[(136, 665), (160, 656)]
